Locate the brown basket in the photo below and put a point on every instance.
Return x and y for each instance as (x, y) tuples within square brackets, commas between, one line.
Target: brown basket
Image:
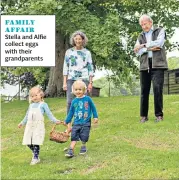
[(59, 137)]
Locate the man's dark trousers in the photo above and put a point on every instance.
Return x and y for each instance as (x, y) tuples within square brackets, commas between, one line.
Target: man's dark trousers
[(156, 76)]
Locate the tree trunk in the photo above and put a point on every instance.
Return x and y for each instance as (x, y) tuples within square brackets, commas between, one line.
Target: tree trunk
[(55, 82)]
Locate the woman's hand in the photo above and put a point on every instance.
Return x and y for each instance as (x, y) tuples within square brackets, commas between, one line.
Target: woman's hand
[(90, 86), (64, 86)]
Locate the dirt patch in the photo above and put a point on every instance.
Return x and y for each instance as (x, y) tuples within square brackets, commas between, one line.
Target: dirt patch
[(152, 143), (65, 171), (3, 140), (93, 168)]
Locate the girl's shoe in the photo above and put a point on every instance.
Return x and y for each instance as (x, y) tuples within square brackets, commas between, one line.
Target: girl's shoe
[(34, 161), (65, 149)]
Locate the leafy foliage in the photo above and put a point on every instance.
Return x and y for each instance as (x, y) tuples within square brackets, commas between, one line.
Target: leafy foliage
[(107, 23), (173, 63), (27, 77)]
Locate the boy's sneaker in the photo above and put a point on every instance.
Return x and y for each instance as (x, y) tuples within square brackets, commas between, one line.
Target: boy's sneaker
[(34, 161), (83, 150), (69, 153)]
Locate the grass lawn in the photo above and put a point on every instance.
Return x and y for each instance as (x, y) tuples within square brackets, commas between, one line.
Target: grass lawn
[(119, 148)]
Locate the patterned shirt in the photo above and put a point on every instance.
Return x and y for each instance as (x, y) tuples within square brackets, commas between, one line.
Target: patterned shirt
[(44, 109), (81, 109), (78, 64)]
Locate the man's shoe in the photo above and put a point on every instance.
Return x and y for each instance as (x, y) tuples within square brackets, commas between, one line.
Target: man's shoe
[(144, 119), (69, 153), (159, 118), (83, 150)]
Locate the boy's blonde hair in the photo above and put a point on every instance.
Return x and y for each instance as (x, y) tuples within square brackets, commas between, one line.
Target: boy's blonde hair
[(36, 89), (80, 83)]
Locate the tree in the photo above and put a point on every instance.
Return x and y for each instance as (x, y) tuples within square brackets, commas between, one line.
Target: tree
[(173, 63), (105, 23), (26, 77)]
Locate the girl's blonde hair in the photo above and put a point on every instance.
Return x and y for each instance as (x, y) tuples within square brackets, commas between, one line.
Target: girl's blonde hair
[(36, 89), (83, 36), (80, 83)]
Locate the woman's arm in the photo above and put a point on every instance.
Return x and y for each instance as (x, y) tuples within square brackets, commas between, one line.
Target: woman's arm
[(65, 71)]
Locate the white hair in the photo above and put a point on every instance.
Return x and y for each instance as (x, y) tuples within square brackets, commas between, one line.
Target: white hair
[(83, 36), (145, 17)]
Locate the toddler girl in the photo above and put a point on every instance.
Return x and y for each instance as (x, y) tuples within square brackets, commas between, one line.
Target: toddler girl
[(35, 130)]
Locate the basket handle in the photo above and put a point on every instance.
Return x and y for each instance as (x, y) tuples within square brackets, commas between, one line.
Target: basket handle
[(53, 128)]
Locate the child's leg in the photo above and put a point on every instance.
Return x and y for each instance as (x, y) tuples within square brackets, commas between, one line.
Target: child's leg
[(74, 139), (84, 136), (72, 145), (70, 152), (31, 147), (75, 136), (36, 151), (83, 143)]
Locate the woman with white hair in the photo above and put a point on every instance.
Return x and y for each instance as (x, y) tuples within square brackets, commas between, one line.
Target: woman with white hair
[(77, 65)]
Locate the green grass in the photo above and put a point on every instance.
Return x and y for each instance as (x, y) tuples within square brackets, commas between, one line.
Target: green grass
[(119, 148)]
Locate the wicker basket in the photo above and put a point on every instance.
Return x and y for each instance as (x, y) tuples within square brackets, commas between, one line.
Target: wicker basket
[(59, 137)]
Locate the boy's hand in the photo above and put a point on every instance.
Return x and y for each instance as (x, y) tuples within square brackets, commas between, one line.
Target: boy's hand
[(19, 125), (69, 128), (95, 120)]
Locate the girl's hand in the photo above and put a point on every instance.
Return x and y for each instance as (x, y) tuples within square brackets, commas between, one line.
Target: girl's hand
[(19, 125), (58, 122)]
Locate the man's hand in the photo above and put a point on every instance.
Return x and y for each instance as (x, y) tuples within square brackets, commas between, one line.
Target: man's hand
[(153, 49), (138, 47)]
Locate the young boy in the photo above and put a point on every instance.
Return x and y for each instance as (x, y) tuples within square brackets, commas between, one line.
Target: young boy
[(81, 109)]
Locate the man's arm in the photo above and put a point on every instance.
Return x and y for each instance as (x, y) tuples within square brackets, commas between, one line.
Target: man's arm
[(139, 49), (159, 42)]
